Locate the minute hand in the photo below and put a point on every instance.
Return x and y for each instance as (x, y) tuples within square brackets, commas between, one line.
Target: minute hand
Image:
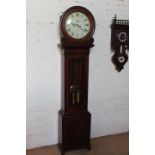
[(78, 26)]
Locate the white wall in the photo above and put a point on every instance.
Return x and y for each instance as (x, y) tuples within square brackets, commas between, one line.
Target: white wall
[(108, 89)]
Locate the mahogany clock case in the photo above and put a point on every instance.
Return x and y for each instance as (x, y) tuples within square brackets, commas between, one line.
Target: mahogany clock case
[(74, 118), (67, 39)]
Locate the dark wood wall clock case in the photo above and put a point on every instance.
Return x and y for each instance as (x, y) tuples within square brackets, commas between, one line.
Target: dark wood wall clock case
[(77, 26), (119, 42)]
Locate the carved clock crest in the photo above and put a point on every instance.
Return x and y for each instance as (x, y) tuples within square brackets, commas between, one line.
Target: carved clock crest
[(77, 26)]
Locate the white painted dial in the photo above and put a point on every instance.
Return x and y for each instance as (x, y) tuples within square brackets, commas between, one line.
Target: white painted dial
[(77, 25)]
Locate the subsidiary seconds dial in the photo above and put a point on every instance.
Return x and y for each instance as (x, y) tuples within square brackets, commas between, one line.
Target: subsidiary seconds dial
[(77, 25)]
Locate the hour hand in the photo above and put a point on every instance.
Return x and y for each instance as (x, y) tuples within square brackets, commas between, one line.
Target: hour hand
[(83, 30), (77, 26)]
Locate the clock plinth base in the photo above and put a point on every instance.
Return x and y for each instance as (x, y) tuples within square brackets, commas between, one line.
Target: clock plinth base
[(75, 131)]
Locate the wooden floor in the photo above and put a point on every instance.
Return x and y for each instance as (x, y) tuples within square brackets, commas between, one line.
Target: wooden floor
[(107, 145)]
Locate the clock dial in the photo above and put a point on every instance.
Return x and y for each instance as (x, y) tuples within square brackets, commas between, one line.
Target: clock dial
[(77, 25), (121, 59), (122, 36)]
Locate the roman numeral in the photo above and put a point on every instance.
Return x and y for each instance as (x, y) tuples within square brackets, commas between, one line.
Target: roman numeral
[(85, 30)]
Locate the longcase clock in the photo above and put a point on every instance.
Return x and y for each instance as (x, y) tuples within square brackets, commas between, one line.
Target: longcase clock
[(77, 27)]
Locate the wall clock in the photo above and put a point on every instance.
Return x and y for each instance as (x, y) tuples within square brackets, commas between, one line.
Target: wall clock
[(119, 42), (77, 26)]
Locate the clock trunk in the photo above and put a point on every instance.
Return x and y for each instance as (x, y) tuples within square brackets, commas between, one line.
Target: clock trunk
[(74, 118), (75, 79)]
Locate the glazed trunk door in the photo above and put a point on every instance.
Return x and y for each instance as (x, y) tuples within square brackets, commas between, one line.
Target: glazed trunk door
[(76, 82)]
